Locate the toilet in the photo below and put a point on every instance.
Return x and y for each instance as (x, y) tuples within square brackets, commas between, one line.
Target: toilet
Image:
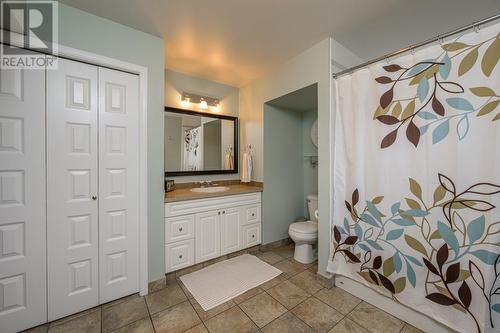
[(305, 234)]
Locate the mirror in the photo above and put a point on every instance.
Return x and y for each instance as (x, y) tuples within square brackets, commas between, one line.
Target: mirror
[(200, 143)]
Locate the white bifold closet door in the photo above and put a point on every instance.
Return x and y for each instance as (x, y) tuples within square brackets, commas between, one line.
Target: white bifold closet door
[(23, 298), (92, 186)]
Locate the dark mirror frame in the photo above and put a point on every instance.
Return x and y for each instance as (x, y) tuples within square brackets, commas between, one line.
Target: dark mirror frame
[(236, 143)]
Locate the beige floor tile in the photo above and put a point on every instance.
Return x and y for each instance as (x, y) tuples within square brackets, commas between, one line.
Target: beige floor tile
[(37, 329), (140, 326), (410, 329), (120, 300), (88, 323), (123, 313), (74, 316), (338, 299), (157, 285), (288, 323), (375, 320), (205, 315), (271, 283), (165, 298), (248, 294), (286, 251), (197, 329), (317, 314), (178, 318), (288, 294), (348, 326), (289, 268), (188, 270), (232, 320), (270, 257), (307, 281), (262, 309)]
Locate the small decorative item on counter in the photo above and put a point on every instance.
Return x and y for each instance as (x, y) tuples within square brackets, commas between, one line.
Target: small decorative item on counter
[(169, 185)]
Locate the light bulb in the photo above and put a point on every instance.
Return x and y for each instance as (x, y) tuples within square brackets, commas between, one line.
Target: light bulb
[(185, 103), (203, 104), (216, 108)]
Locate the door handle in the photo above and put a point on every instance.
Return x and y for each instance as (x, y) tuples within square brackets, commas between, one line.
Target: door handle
[(94, 197)]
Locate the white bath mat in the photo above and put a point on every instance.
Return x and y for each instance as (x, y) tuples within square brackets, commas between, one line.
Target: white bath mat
[(220, 282)]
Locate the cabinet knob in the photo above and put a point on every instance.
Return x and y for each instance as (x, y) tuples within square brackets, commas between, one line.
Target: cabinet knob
[(253, 214), (223, 212), (180, 229), (218, 213), (180, 256), (94, 197), (253, 236)]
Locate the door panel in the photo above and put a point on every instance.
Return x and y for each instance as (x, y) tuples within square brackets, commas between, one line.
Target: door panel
[(207, 236), (230, 229), (23, 301), (72, 186), (118, 184)]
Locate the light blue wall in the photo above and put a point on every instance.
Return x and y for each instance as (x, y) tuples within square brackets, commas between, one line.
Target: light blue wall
[(84, 31), (309, 149), (283, 195), (288, 176)]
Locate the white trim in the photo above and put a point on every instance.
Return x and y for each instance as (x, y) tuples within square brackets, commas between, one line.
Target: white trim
[(398, 310), (142, 72)]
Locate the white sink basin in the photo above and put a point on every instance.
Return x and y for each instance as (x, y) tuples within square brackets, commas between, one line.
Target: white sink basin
[(213, 189)]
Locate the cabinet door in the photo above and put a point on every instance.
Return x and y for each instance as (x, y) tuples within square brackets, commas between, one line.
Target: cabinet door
[(118, 184), (207, 235), (22, 199), (251, 235), (179, 255), (230, 229), (72, 187)]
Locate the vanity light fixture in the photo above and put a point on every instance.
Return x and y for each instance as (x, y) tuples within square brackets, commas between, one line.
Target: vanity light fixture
[(204, 102)]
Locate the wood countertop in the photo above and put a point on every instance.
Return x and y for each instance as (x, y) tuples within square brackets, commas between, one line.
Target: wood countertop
[(183, 194)]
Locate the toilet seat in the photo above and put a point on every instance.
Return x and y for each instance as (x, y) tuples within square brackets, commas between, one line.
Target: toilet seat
[(307, 228)]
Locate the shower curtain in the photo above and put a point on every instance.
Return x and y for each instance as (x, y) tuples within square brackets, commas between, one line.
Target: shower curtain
[(192, 147), (417, 180)]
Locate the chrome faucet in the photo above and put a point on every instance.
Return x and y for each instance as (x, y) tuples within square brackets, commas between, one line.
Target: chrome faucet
[(204, 183)]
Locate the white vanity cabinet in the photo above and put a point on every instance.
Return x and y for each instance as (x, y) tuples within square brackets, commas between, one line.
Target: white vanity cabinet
[(203, 229)]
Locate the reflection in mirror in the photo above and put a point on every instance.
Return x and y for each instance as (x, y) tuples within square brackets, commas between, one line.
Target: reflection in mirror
[(199, 143)]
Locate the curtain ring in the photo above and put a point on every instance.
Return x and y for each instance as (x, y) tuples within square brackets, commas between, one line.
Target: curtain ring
[(387, 59), (476, 28), (440, 40), (412, 51)]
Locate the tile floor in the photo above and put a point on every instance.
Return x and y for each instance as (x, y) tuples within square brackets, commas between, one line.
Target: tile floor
[(296, 301)]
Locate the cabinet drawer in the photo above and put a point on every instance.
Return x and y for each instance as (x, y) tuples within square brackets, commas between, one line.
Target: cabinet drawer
[(179, 255), (179, 228), (251, 235), (251, 214)]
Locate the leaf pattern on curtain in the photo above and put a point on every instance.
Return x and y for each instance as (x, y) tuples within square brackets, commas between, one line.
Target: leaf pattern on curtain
[(441, 246), (437, 104)]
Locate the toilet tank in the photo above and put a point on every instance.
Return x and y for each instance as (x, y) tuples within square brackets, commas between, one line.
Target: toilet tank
[(312, 206)]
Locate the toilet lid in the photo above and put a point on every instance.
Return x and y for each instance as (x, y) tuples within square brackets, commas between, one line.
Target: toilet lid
[(304, 227)]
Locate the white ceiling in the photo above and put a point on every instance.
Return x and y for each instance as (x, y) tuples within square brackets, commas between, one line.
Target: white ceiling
[(236, 41)]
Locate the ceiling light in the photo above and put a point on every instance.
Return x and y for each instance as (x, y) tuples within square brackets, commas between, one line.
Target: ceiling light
[(203, 104), (185, 102)]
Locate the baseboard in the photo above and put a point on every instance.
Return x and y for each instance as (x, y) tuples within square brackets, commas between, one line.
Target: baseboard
[(398, 310)]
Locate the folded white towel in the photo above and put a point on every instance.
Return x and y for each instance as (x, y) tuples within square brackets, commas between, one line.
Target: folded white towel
[(246, 168)]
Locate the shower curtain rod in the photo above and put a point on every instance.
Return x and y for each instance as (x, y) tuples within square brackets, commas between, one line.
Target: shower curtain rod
[(415, 46)]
